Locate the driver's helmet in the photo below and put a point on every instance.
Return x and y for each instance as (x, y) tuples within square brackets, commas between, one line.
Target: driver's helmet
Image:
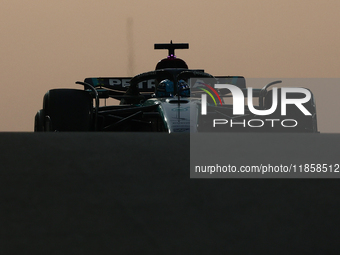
[(166, 88), (183, 88)]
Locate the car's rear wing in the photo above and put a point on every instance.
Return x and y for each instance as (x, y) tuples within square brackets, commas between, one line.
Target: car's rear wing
[(123, 83), (115, 83), (238, 81), (119, 85)]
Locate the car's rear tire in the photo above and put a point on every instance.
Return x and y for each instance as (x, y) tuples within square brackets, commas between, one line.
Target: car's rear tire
[(39, 121), (68, 110)]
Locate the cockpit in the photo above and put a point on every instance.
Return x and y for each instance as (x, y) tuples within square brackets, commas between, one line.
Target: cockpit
[(166, 88)]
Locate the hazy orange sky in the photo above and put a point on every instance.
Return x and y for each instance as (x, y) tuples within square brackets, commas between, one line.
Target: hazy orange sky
[(51, 44)]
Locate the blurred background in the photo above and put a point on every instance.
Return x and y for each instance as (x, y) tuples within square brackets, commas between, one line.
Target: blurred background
[(53, 44)]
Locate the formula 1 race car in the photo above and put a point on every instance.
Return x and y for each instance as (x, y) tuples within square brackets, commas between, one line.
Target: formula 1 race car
[(173, 98)]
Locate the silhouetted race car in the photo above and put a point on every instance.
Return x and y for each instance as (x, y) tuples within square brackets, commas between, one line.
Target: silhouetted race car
[(173, 98)]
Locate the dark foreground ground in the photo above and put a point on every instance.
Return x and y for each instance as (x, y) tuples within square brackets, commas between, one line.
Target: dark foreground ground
[(64, 193)]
